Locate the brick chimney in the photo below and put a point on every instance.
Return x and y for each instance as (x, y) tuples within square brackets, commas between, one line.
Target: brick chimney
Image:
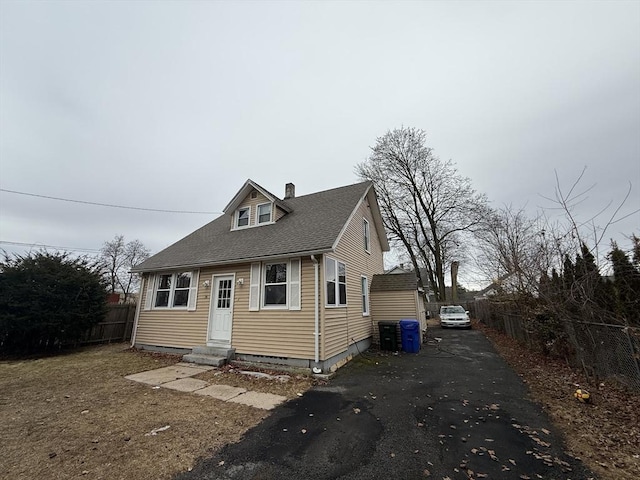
[(289, 191)]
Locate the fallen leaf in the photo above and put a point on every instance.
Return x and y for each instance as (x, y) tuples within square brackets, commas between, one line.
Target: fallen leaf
[(545, 431)]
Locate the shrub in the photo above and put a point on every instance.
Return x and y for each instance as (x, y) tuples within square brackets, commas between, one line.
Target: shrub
[(48, 300)]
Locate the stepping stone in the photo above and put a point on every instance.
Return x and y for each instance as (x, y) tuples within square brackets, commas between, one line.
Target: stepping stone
[(186, 384), (265, 401), (164, 375), (221, 392)]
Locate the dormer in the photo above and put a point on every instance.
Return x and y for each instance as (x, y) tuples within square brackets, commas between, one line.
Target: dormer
[(253, 206)]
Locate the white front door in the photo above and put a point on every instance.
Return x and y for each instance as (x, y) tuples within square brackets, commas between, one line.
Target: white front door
[(221, 311)]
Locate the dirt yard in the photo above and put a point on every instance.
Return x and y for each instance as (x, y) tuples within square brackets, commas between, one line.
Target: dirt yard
[(75, 415), (604, 434)]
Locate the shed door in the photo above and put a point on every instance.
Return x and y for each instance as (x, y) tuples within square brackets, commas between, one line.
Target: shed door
[(221, 311)]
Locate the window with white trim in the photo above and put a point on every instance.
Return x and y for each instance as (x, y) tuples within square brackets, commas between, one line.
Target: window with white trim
[(335, 273), (275, 284), (364, 283), (242, 217), (263, 213), (172, 290), (366, 234)]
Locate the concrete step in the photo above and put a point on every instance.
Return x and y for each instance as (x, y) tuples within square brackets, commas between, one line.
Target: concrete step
[(204, 359), (228, 353)]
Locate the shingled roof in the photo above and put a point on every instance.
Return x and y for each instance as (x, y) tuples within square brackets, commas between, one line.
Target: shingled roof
[(389, 282), (313, 225)]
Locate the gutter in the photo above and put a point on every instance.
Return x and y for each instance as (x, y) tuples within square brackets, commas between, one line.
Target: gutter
[(316, 308), (192, 266)]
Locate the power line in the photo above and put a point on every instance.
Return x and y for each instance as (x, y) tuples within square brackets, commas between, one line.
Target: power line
[(57, 247), (106, 204)]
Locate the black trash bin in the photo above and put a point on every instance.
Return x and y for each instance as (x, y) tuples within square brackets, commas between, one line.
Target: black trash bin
[(410, 332), (388, 336)]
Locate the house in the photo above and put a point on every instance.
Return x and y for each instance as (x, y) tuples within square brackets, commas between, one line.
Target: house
[(283, 281), (394, 297)]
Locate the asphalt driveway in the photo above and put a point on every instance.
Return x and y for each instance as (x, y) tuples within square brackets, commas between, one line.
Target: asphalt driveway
[(455, 411)]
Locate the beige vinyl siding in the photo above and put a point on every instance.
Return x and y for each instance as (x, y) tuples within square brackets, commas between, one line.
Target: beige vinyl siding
[(393, 306), (271, 332), (173, 327), (279, 213), (253, 203), (346, 325), (275, 332)]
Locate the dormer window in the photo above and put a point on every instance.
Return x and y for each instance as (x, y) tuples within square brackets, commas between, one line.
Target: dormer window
[(242, 220), (264, 213)]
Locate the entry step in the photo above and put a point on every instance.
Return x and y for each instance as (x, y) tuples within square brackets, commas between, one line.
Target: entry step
[(204, 359)]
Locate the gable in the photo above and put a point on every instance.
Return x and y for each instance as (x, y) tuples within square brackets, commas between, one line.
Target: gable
[(255, 202), (312, 226)]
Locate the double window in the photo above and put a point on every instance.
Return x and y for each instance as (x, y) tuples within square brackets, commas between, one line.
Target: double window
[(172, 290), (243, 218), (335, 274)]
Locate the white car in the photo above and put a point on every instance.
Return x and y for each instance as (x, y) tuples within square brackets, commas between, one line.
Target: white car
[(454, 316)]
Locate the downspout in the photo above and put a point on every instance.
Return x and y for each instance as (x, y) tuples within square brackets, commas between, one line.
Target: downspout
[(316, 292)]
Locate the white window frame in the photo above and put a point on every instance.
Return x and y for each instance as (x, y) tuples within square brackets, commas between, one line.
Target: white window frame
[(364, 285), (257, 285), (236, 219), (366, 231), (264, 284), (258, 222), (191, 290), (337, 283)]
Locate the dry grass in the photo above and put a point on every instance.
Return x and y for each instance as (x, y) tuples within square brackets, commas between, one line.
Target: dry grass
[(75, 414), (230, 375), (604, 434)]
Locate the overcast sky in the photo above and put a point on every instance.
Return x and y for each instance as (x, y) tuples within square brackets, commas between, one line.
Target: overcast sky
[(173, 105)]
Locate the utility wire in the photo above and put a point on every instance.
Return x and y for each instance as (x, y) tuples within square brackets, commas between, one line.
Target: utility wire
[(57, 247), (106, 204)]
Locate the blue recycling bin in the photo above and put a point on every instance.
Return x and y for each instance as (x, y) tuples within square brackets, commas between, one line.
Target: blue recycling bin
[(410, 334)]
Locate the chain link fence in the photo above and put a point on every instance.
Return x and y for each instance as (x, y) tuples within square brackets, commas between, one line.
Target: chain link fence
[(603, 351)]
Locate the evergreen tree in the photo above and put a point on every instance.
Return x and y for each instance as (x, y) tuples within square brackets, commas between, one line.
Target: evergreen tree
[(48, 300), (626, 285)]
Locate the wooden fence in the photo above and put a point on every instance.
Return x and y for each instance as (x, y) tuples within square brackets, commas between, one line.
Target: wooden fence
[(116, 327)]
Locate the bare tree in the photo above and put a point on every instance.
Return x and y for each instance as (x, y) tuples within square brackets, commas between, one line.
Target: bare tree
[(112, 256), (511, 250), (427, 206), (118, 258)]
